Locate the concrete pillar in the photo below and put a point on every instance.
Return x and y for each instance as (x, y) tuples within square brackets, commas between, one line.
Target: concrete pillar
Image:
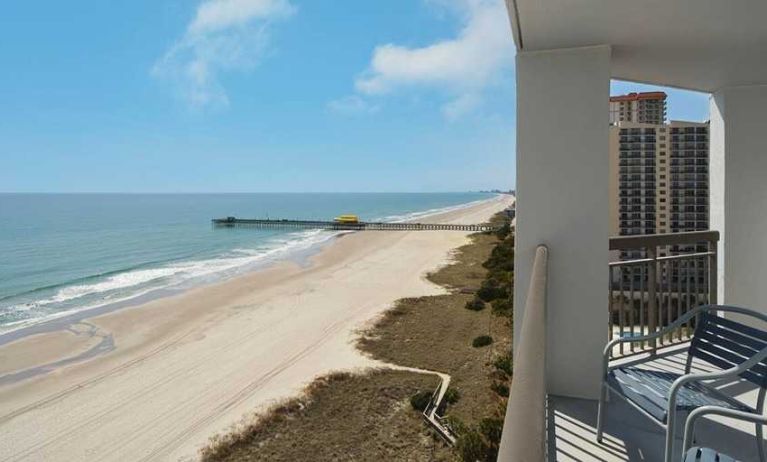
[(562, 202), (738, 166)]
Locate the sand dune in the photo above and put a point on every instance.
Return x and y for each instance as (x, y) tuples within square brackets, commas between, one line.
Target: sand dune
[(175, 371)]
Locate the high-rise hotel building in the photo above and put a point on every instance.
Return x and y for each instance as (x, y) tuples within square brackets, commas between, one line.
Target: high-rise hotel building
[(659, 175), (643, 108)]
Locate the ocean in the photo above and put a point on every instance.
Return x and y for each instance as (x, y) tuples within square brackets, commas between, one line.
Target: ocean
[(64, 253)]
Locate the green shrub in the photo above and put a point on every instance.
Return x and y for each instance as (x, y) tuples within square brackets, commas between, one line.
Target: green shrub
[(491, 428), (480, 443), (503, 307), (481, 341), (452, 395), (420, 400), (471, 446), (500, 388), (504, 363), (455, 424), (500, 278), (492, 289), (475, 305), (502, 232), (502, 256)]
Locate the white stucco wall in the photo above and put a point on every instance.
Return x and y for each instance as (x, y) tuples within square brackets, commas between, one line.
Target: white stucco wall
[(739, 193), (716, 179), (562, 201)]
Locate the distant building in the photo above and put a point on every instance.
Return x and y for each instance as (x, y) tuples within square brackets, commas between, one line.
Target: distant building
[(659, 178), (644, 108), (659, 181)]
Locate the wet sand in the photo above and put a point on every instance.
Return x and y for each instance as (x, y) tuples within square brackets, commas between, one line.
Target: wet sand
[(156, 381)]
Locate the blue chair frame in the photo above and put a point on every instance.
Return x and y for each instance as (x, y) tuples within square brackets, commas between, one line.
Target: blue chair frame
[(698, 454), (739, 350)]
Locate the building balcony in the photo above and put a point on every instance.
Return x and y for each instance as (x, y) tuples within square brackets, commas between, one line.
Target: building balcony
[(564, 66), (631, 436), (646, 293)]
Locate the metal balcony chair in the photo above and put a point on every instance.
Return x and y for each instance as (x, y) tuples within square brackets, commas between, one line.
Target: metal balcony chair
[(702, 454), (738, 349)]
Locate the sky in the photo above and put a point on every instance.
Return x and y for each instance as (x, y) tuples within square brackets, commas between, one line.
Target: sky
[(262, 95)]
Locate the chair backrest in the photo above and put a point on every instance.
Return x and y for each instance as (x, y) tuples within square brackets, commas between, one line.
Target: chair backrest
[(725, 343)]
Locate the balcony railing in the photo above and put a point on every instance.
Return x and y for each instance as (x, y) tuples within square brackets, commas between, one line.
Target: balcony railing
[(651, 285), (524, 427)]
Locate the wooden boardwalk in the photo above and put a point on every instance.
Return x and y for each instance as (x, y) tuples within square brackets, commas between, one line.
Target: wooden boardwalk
[(361, 226)]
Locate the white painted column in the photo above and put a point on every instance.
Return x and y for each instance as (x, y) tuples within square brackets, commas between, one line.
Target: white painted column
[(562, 202), (738, 170)]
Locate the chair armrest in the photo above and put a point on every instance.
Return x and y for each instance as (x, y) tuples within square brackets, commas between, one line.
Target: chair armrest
[(674, 325), (681, 381), (681, 320), (684, 318), (689, 427)]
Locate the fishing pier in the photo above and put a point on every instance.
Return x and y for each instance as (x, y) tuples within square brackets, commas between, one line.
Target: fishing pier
[(338, 226)]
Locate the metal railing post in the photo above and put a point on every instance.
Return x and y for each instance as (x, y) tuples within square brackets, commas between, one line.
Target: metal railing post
[(668, 285), (652, 274), (713, 279)]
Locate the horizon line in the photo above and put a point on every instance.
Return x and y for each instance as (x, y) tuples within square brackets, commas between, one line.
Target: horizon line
[(126, 193)]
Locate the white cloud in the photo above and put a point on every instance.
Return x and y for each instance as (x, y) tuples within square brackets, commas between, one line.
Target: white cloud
[(352, 105), (219, 14), (224, 35), (463, 66)]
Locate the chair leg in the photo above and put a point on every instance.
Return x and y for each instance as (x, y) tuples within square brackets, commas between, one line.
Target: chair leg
[(601, 412), (670, 437), (760, 442)]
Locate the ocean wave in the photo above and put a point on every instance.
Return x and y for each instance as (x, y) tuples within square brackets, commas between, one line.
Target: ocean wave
[(426, 213), (78, 281), (129, 284), (118, 281), (97, 290)]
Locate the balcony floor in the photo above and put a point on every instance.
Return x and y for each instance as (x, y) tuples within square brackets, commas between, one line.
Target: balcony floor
[(631, 436)]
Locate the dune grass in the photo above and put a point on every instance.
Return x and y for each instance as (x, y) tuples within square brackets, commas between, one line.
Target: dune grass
[(341, 417), (375, 416), (436, 332)]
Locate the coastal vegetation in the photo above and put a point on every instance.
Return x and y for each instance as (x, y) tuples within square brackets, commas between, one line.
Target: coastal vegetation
[(420, 400), (342, 417), (475, 304), (377, 415), (481, 341)]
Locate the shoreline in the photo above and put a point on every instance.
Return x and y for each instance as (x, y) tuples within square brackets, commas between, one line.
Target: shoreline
[(59, 321), (185, 367), (56, 323), (429, 345)]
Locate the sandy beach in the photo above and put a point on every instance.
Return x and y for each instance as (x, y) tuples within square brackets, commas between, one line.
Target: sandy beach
[(156, 381)]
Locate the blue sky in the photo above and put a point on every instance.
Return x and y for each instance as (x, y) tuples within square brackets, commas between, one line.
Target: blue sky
[(261, 95)]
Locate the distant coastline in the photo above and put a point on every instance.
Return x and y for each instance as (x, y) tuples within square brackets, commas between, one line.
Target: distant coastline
[(80, 300), (188, 366)]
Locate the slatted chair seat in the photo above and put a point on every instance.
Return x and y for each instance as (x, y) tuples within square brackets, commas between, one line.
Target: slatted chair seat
[(706, 455), (738, 349), (649, 390)]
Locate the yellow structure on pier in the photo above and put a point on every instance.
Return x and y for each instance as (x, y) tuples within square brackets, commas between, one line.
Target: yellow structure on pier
[(347, 219)]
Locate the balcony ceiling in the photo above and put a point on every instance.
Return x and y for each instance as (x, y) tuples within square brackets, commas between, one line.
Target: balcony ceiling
[(694, 44)]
